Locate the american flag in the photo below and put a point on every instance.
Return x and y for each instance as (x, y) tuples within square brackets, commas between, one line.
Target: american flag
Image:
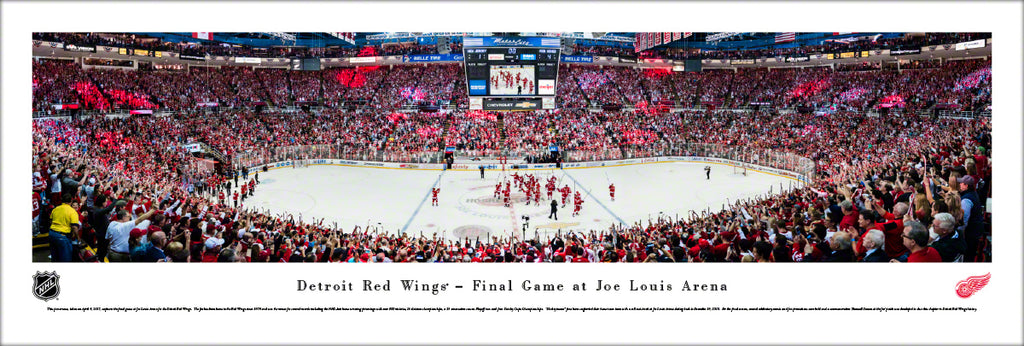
[(687, 34), (676, 36), (785, 37), (666, 37)]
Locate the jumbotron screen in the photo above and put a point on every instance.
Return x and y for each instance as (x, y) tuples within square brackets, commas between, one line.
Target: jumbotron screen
[(511, 71)]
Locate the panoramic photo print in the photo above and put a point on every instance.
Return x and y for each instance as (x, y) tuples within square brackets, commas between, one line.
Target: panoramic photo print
[(358, 147)]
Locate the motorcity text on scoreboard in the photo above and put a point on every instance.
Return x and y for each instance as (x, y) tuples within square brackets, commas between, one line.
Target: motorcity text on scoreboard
[(511, 42)]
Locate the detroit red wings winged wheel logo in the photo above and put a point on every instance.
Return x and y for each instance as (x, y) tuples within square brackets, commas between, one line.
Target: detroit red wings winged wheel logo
[(966, 288)]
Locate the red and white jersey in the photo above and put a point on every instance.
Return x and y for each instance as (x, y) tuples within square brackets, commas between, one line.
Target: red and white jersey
[(140, 208), (36, 199), (38, 183)]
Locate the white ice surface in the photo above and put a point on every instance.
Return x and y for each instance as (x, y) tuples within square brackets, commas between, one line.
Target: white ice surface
[(399, 199)]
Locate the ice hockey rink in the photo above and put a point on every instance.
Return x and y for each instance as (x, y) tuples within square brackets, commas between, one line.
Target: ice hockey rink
[(399, 200)]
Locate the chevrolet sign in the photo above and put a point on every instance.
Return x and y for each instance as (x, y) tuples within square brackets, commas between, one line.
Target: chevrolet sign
[(511, 105)]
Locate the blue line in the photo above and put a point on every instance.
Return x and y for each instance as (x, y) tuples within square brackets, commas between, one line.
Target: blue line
[(421, 202), (595, 199)]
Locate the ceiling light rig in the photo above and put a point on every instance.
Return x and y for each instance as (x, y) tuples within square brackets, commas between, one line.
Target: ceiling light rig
[(283, 36)]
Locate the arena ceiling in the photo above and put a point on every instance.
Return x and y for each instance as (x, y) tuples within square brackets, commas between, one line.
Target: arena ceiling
[(741, 40)]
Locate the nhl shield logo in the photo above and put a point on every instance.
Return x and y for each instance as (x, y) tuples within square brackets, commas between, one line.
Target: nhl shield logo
[(46, 285)]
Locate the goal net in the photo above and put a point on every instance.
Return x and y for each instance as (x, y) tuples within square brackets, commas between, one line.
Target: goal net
[(740, 169)]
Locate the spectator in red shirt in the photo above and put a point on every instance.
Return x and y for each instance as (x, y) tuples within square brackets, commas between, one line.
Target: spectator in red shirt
[(915, 238), (849, 215), (213, 246)]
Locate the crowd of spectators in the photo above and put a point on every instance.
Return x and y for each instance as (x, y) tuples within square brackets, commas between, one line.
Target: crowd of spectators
[(305, 87), (866, 42), (217, 87), (399, 88), (657, 82), (602, 50), (866, 196), (246, 85), (121, 40), (629, 84), (437, 84), (122, 89), (174, 90), (459, 98), (275, 82), (353, 84), (408, 48), (594, 84), (954, 85), (58, 82), (475, 133)]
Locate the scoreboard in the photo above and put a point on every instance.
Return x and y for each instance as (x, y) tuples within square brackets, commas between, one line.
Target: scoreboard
[(511, 73), (306, 64)]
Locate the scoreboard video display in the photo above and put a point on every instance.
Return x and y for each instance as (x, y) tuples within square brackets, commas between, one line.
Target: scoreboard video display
[(511, 73)]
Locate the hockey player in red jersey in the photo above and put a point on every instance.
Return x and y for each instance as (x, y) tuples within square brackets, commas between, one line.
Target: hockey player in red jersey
[(611, 191), (497, 189), (578, 205), (434, 192), (565, 194)]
